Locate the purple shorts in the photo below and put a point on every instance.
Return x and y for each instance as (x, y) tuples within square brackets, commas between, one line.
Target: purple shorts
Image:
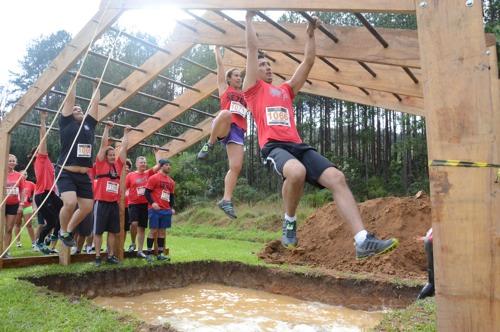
[(236, 135)]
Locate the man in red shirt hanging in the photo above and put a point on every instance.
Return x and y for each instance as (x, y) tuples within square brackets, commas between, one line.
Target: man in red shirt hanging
[(107, 168), (281, 145), (138, 205), (160, 195)]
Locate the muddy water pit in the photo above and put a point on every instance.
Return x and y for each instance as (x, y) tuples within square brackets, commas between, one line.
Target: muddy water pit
[(229, 296)]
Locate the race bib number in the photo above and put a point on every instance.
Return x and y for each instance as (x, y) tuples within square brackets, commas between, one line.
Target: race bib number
[(112, 187), (140, 191), (277, 116), (237, 108), (165, 195), (84, 151), (12, 191)]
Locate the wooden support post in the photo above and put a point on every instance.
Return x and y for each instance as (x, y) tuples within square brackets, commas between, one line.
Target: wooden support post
[(462, 123), (64, 254), (121, 237), (4, 152)]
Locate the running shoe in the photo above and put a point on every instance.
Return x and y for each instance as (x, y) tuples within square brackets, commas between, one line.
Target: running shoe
[(112, 260), (7, 255), (140, 254), (88, 249), (131, 248), (374, 247), (289, 234), (19, 244), (207, 147), (98, 261), (54, 251), (162, 257), (67, 239), (47, 240), (227, 207), (43, 248), (427, 291)]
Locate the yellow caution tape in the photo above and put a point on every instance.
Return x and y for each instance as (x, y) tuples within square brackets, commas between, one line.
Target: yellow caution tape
[(461, 163)]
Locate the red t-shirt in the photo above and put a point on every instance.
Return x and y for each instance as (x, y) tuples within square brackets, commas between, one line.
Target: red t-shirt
[(107, 180), (44, 173), (161, 187), (234, 101), (13, 192), (272, 109), (136, 185), (29, 190)]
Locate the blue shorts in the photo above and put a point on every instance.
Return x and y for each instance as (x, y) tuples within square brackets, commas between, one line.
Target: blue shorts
[(160, 219), (236, 135)]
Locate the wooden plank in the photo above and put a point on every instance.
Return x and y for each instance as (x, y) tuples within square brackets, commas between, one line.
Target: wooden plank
[(389, 78), (401, 6), (68, 56), (121, 236), (168, 113), (64, 254), (191, 136), (4, 152), (461, 125), (356, 43), (136, 80)]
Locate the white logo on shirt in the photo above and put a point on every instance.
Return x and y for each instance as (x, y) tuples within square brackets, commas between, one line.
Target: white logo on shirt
[(86, 127)]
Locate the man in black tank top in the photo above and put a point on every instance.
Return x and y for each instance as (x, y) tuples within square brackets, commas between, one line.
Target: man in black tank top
[(74, 184)]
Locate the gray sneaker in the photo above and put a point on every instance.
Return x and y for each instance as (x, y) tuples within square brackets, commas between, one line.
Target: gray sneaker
[(205, 150), (227, 207), (374, 247), (289, 234), (43, 248), (131, 248), (162, 257)]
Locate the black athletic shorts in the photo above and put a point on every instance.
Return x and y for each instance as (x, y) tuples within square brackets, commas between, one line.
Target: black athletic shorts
[(106, 217), (139, 212), (77, 182), (49, 211), (86, 226), (11, 209), (278, 153), (127, 220)]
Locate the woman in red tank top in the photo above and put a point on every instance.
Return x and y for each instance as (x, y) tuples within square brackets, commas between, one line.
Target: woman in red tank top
[(229, 128)]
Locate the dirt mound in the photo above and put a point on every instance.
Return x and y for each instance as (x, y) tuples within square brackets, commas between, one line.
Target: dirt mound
[(326, 241)]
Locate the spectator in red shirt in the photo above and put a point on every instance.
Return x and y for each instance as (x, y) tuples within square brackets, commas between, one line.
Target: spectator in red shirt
[(29, 190), (108, 167), (138, 205), (14, 190), (160, 195), (229, 128), (281, 145)]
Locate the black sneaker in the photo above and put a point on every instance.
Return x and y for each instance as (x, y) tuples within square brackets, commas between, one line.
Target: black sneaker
[(227, 207), (374, 247), (131, 248), (67, 239), (98, 261), (289, 234), (162, 257), (112, 260), (203, 154), (43, 248), (427, 291)]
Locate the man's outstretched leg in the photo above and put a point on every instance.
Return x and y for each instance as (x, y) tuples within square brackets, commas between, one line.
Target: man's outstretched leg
[(366, 244)]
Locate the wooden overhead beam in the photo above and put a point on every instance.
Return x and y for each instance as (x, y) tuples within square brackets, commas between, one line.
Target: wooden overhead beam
[(191, 137), (355, 43), (68, 56), (389, 78), (153, 66), (397, 6), (168, 113), (462, 124)]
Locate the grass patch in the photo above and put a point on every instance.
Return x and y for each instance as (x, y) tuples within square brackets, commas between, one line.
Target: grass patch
[(260, 222), (420, 316)]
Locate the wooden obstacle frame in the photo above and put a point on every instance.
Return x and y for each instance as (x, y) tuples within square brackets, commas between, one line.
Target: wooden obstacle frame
[(445, 71)]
